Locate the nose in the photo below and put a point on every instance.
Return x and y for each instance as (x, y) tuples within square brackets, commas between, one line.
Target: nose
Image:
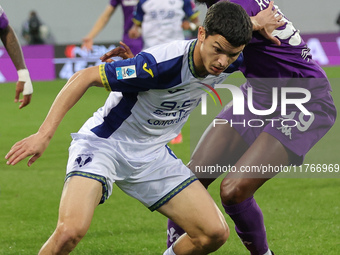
[(223, 61)]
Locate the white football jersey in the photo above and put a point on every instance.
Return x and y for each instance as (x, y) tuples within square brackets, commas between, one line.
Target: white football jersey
[(154, 93), (161, 21)]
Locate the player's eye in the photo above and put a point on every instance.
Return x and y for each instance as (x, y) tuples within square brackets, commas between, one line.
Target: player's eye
[(217, 50)]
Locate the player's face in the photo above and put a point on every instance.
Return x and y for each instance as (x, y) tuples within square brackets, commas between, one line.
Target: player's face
[(216, 54)]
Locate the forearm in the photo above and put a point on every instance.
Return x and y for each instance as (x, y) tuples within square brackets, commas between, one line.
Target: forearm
[(71, 93), (101, 22), (13, 48), (97, 28), (36, 144)]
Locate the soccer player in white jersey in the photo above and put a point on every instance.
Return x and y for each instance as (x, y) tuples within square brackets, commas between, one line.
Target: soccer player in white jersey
[(125, 141), (161, 21)]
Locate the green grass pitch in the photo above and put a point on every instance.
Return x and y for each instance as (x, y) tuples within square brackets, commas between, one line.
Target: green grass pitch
[(302, 215)]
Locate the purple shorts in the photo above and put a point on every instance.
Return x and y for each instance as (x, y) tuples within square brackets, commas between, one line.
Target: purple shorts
[(295, 130)]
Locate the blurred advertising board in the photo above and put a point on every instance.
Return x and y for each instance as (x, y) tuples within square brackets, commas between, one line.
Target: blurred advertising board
[(72, 58), (325, 48), (48, 62), (39, 61)]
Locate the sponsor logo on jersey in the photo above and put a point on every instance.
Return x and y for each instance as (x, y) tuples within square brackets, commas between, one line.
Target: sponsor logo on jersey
[(148, 70), (126, 72)]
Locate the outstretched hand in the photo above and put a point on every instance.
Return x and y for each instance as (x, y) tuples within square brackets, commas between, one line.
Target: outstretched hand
[(122, 51), (33, 145), (266, 21)]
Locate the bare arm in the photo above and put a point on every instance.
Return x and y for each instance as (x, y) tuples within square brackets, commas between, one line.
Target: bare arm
[(98, 26), (11, 43), (37, 143), (24, 84)]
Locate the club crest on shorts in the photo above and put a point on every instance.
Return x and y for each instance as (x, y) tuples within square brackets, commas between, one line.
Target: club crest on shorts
[(126, 72), (83, 159)]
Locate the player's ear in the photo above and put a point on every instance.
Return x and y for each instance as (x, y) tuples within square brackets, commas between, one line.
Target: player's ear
[(201, 34)]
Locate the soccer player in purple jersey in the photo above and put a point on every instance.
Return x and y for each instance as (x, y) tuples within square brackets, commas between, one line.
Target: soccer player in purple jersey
[(128, 6), (12, 45), (229, 140)]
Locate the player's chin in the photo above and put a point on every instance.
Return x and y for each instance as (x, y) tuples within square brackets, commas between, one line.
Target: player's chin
[(216, 71)]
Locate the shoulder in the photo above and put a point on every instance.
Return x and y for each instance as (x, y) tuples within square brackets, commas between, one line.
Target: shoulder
[(141, 2), (167, 51), (114, 3), (140, 66), (123, 3), (171, 62)]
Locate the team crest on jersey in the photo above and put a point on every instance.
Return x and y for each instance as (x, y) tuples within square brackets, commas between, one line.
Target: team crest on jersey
[(83, 159), (126, 72)]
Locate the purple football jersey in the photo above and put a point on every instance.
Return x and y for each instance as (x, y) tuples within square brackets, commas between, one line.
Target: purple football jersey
[(264, 59), (128, 7), (267, 66), (3, 19)]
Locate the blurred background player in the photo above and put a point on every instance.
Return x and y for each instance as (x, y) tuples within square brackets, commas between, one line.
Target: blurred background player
[(12, 45), (162, 21), (31, 29), (135, 44), (34, 31), (338, 21), (265, 66)]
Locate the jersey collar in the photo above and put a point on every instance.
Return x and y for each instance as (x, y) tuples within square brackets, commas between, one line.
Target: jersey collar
[(191, 60)]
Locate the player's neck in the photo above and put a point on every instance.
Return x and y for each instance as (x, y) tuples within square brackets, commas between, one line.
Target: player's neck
[(199, 67)]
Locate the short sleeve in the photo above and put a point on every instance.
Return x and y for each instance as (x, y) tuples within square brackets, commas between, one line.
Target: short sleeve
[(3, 19), (138, 14), (190, 9), (115, 3), (131, 75)]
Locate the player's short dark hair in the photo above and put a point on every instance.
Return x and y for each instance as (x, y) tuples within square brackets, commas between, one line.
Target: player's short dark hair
[(229, 20)]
